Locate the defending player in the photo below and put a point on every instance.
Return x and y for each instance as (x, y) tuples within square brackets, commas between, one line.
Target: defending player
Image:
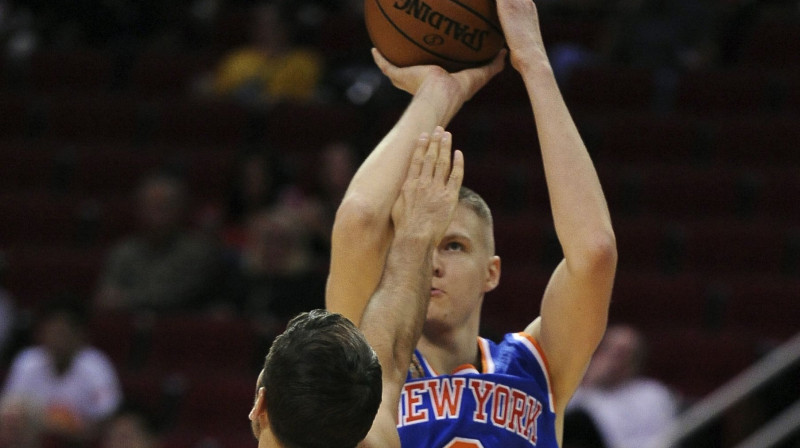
[(321, 383), (514, 393)]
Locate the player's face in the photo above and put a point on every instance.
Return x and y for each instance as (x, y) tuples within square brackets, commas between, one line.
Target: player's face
[(464, 268)]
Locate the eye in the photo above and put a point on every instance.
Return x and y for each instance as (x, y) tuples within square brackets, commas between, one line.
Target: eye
[(454, 246)]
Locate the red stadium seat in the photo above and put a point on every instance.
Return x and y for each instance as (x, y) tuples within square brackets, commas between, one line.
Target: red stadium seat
[(774, 43), (654, 299), (217, 405), (190, 344), (694, 361), (644, 139), (32, 217), (92, 119), (302, 127), (203, 123), (766, 304), (516, 300), (40, 272), (522, 238), (159, 75), (114, 334), (682, 192), (730, 248), (792, 97), (71, 71), (584, 31), (15, 116), (756, 141), (25, 165), (609, 88), (723, 92)]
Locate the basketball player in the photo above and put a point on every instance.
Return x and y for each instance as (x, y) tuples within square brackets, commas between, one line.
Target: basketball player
[(322, 383), (463, 391)]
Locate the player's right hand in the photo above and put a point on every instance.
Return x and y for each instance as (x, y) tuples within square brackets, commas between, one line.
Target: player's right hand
[(429, 194), (465, 83)]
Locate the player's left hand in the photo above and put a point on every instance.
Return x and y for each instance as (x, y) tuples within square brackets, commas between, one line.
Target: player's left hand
[(429, 195), (520, 22)]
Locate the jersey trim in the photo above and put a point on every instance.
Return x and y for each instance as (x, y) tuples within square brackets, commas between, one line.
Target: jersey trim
[(463, 369), (429, 368), (486, 356), (534, 347)]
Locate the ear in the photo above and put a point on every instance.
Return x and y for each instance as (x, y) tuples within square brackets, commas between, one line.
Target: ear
[(492, 274), (258, 414)]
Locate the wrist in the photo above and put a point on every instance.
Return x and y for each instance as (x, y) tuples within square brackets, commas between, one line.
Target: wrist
[(412, 241), (533, 62), (443, 96)]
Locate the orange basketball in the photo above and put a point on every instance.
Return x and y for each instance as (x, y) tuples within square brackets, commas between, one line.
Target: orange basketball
[(455, 34)]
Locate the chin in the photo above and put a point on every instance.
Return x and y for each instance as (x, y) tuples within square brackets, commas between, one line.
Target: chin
[(436, 323)]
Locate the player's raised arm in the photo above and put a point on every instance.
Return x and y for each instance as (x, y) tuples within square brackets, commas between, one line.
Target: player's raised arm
[(393, 319), (362, 229), (575, 304)]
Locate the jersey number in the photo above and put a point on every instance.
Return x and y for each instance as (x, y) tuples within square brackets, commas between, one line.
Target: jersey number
[(459, 442)]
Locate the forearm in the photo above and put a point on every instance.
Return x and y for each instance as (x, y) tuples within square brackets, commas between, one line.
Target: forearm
[(580, 213), (394, 317)]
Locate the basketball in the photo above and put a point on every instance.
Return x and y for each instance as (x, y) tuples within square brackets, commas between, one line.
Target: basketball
[(454, 34)]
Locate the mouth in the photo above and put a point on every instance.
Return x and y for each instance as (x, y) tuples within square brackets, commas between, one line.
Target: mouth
[(436, 292)]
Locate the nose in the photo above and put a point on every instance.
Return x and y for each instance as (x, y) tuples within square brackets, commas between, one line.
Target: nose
[(438, 270)]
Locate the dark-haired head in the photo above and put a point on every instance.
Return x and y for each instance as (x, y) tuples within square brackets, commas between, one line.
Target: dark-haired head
[(321, 373), (61, 329)]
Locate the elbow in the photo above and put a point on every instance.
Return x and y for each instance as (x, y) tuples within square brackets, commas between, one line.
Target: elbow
[(598, 254), (355, 214)]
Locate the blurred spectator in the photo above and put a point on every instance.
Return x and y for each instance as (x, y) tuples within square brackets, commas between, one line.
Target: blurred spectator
[(279, 275), (72, 385), (615, 402), (665, 34), (271, 68), (20, 423), (258, 183), (165, 266), (129, 428), (337, 163)]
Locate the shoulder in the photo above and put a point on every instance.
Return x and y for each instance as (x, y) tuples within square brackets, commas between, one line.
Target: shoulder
[(652, 388), (517, 354), (90, 359), (31, 357), (521, 345)]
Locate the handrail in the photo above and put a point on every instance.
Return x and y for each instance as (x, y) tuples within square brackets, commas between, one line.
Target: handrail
[(699, 415), (781, 427)]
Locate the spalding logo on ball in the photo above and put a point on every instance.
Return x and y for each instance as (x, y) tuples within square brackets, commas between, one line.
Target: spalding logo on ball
[(455, 34)]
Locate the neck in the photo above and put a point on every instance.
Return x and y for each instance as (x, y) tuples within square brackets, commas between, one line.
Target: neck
[(267, 440), (447, 349)]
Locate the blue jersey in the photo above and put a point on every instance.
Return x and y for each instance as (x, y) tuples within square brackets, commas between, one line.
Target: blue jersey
[(509, 404)]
